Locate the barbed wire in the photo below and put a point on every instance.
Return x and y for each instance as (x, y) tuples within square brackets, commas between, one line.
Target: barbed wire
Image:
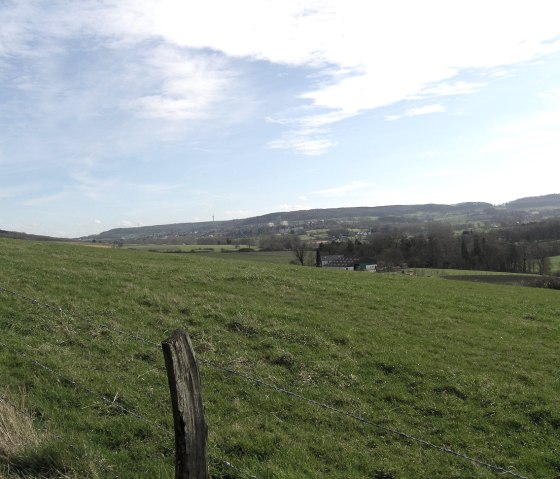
[(222, 462), (28, 416), (128, 334), (83, 387), (111, 403), (218, 460), (228, 464), (363, 420), (73, 315), (33, 300), (322, 405), (17, 409)]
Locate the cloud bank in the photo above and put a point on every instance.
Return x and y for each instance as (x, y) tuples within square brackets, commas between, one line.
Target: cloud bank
[(181, 56)]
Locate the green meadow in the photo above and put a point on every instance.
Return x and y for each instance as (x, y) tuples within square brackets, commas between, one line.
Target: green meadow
[(555, 264), (184, 248), (240, 252), (407, 366)]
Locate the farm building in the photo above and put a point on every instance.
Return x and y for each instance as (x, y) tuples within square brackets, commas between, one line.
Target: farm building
[(325, 260), (339, 261)]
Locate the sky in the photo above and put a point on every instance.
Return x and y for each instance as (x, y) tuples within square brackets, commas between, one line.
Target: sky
[(119, 113)]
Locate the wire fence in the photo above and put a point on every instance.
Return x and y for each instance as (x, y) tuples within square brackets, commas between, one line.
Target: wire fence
[(221, 462), (91, 392), (26, 416)]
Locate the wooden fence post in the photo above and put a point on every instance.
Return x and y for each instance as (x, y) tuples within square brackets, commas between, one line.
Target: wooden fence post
[(191, 431)]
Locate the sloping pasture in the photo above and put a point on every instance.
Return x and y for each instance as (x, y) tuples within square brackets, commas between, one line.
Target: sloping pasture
[(417, 375)]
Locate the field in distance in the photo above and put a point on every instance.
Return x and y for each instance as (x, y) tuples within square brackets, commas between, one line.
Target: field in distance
[(184, 248), (424, 362), (555, 264), (253, 253), (234, 252)]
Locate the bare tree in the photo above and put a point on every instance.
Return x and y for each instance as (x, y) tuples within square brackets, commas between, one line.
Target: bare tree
[(299, 249), (541, 252)]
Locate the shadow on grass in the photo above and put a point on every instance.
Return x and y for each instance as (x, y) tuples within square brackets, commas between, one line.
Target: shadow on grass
[(534, 281), (44, 462)]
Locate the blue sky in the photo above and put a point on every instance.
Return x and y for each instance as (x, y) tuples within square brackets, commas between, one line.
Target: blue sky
[(139, 112)]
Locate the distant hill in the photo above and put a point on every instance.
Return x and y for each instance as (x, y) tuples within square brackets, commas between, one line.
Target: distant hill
[(536, 202), (328, 216), (460, 215), (27, 236)]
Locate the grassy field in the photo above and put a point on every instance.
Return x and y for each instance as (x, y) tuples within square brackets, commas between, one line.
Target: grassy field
[(275, 257), (184, 248), (555, 264), (440, 272), (217, 251), (468, 366)]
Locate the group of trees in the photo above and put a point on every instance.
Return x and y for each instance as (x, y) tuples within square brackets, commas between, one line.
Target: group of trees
[(518, 249), (279, 242)]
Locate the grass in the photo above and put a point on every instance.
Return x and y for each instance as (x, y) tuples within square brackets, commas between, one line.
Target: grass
[(460, 272), (555, 264), (470, 366), (274, 257), (23, 452), (16, 428), (217, 251), (183, 248)]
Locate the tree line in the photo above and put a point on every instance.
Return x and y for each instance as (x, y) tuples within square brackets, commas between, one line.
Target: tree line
[(516, 249)]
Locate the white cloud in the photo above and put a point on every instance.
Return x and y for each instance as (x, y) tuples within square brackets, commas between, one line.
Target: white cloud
[(88, 185), (365, 55), (249, 28), (189, 84), (44, 199), (440, 174), (306, 142), (374, 55), (530, 139), (234, 214), (539, 131), (308, 134), (311, 123), (291, 207), (527, 149), (424, 110), (14, 33), (450, 88), (129, 224), (343, 189), (551, 95), (119, 65), (157, 188), (15, 191)]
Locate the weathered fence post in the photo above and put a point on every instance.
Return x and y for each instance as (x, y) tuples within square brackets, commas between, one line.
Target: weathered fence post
[(191, 432)]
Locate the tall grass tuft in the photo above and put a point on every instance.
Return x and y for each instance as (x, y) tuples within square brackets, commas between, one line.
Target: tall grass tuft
[(24, 453), (16, 428)]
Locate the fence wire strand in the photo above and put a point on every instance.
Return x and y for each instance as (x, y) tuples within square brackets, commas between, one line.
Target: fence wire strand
[(218, 460), (231, 466), (403, 435), (90, 391), (28, 416), (83, 387), (73, 315), (497, 469)]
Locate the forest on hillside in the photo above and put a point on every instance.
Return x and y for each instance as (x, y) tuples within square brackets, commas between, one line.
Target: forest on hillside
[(525, 248), (464, 215)]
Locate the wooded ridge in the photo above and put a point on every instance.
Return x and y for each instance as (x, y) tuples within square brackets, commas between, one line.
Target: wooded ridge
[(464, 215)]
